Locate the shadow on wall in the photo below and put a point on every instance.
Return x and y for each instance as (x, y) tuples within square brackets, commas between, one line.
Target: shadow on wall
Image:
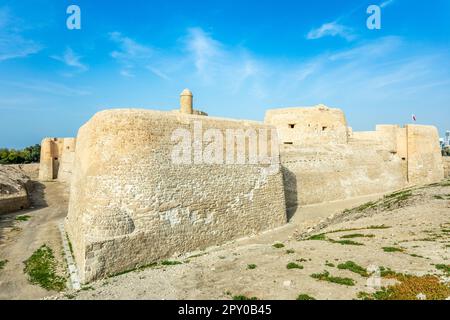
[(290, 192)]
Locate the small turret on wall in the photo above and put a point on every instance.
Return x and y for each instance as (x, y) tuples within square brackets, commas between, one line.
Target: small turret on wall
[(187, 104)]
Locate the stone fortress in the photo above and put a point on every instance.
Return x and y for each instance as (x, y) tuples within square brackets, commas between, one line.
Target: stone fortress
[(130, 205)]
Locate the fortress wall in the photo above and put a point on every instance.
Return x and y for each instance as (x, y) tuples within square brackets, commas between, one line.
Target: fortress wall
[(130, 205), (319, 174), (67, 159), (340, 163), (446, 161), (309, 126), (56, 158), (425, 164)]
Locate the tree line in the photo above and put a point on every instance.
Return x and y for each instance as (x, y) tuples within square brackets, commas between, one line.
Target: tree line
[(27, 155)]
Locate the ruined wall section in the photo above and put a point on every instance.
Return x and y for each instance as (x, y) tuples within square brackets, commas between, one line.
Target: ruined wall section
[(57, 156), (130, 205), (67, 160), (309, 126)]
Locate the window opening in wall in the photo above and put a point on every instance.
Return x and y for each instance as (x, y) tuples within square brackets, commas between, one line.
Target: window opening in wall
[(292, 126), (288, 143), (324, 128)]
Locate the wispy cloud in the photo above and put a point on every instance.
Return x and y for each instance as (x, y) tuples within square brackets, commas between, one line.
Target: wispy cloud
[(12, 43), (331, 29), (386, 3), (47, 87), (130, 53), (71, 59)]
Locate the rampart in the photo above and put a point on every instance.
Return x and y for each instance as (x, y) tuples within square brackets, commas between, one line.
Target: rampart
[(324, 160), (131, 205)]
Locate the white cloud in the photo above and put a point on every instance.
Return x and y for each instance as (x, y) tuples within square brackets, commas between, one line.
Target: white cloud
[(332, 29), (71, 59), (12, 43)]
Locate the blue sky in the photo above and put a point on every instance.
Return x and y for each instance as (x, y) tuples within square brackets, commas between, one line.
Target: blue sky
[(239, 58)]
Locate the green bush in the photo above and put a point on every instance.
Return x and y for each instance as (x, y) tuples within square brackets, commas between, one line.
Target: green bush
[(27, 155)]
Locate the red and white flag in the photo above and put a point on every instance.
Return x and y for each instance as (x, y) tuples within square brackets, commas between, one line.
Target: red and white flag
[(414, 117)]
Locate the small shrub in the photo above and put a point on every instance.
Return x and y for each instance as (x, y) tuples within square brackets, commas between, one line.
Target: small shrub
[(318, 237), (278, 245), (22, 218), (357, 235), (444, 267), (251, 266), (392, 249), (290, 251), (242, 297), (3, 263), (304, 297), (325, 276), (170, 263), (353, 267), (293, 265)]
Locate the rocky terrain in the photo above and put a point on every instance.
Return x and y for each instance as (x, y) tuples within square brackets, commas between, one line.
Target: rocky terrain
[(15, 187)]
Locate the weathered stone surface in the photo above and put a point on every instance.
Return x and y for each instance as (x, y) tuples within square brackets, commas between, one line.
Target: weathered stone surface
[(324, 160), (446, 161), (56, 161), (14, 189), (130, 205)]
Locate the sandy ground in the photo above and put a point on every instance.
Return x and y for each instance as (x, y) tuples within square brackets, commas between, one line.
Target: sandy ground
[(417, 226), (19, 239)]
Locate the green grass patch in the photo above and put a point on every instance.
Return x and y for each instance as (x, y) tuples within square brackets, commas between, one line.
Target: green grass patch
[(170, 263), (278, 245), (392, 249), (251, 266), (325, 276), (353, 267), (346, 242), (444, 267), (22, 218), (41, 270), (318, 237), (3, 263), (304, 297), (357, 235), (244, 298), (293, 265)]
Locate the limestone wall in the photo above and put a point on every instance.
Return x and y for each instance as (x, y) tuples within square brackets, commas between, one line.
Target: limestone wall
[(425, 163), (66, 160), (326, 173), (309, 126), (56, 161), (130, 205), (446, 161)]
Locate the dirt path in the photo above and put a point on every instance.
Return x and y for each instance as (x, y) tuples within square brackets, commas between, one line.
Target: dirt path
[(19, 239)]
